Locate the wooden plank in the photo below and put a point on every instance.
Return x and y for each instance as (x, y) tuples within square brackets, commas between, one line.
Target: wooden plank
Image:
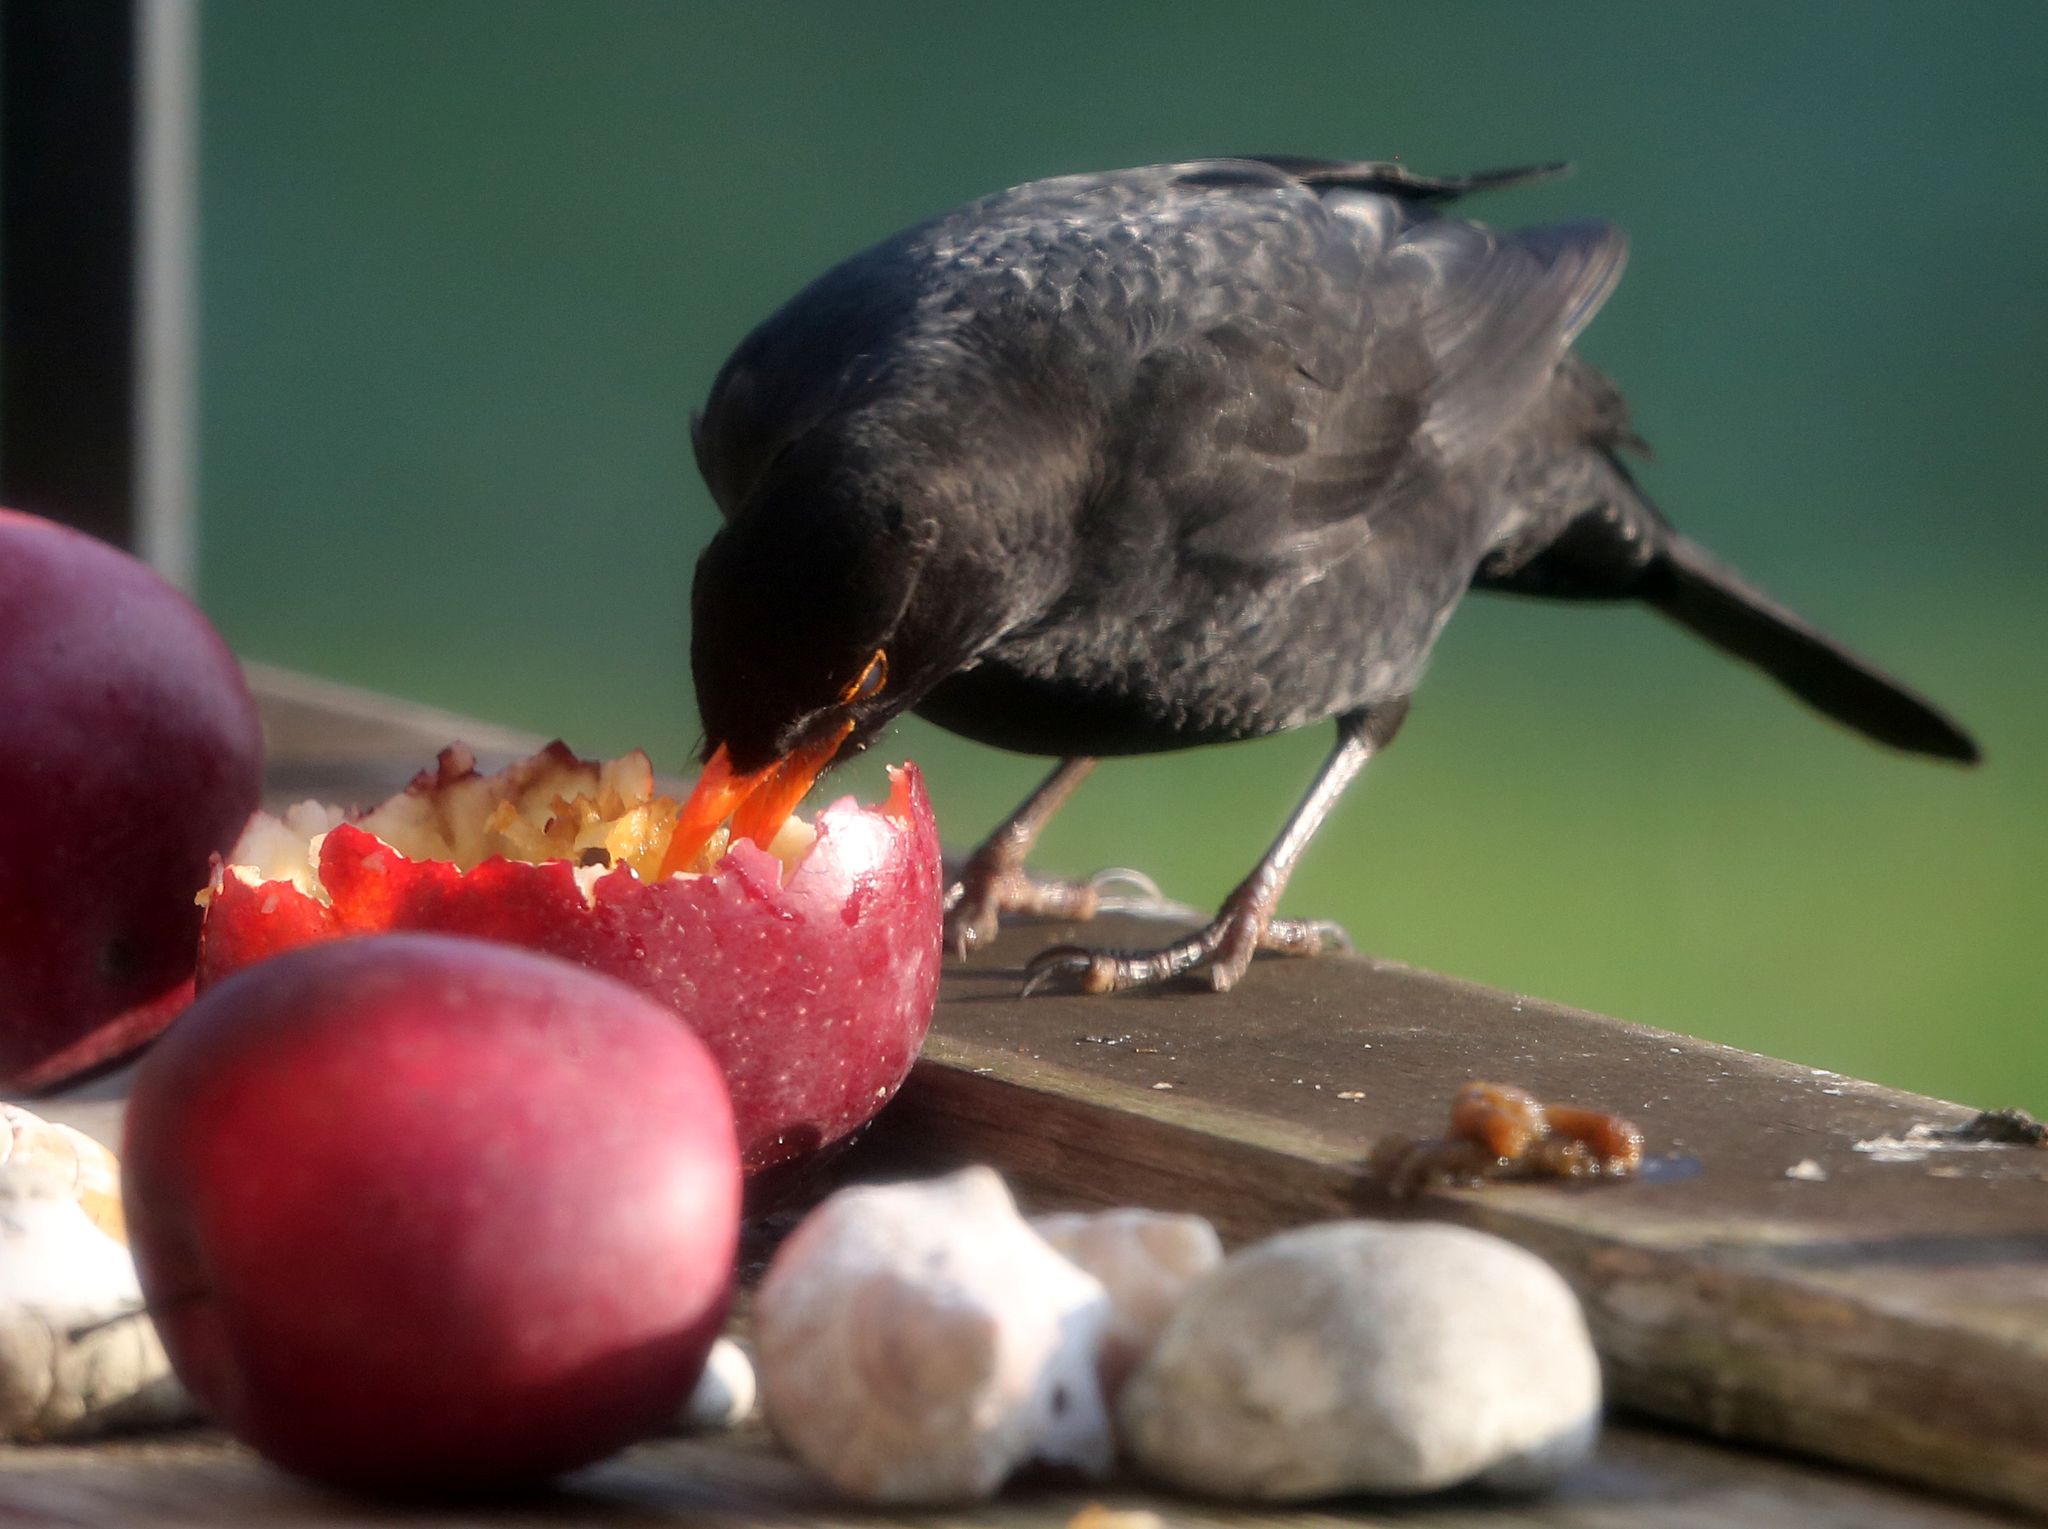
[(338, 743), (1890, 1314), (1640, 1479)]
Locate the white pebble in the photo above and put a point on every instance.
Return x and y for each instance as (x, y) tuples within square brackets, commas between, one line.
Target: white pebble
[(725, 1393), (1367, 1357), (1147, 1260), (919, 1342), (77, 1356)]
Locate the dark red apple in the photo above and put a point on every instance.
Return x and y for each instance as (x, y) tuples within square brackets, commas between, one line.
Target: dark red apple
[(421, 1213), (809, 968), (129, 755)]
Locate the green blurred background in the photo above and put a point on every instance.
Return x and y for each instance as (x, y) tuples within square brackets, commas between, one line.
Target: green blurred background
[(468, 265)]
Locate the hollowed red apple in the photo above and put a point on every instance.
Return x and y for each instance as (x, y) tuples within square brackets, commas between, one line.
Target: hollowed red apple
[(809, 967), (129, 754)]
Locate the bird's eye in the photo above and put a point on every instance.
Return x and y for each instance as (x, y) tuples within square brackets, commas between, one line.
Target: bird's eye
[(871, 680)]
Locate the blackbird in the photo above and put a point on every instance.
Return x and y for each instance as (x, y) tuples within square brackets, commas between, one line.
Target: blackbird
[(1121, 463)]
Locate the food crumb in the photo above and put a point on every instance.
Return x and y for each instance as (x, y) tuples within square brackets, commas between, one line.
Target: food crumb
[(1498, 1131), (1808, 1171), (1096, 1516), (1162, 1085)]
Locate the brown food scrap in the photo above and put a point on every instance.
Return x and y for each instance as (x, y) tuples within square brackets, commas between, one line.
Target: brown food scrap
[(1097, 1516), (1498, 1131)]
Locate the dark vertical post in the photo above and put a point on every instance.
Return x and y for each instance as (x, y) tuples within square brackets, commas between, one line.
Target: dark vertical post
[(67, 261)]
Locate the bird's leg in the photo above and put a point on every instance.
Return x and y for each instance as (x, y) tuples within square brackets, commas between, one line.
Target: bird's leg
[(1245, 924), (993, 880)]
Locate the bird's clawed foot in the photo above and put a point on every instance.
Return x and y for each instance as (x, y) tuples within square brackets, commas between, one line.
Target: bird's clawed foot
[(990, 888), (1221, 952)]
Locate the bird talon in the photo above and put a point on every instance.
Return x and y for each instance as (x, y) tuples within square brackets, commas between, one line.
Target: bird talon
[(1126, 876), (1061, 961), (1331, 938), (1143, 897)]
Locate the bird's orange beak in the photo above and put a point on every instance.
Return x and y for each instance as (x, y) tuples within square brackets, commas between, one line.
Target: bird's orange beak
[(759, 802)]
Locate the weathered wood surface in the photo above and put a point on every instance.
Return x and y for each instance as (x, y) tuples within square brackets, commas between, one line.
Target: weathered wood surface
[(1894, 1315), (1891, 1314), (336, 743), (1641, 1479)]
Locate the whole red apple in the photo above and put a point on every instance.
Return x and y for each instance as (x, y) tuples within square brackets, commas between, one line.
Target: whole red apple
[(129, 755), (415, 1212)]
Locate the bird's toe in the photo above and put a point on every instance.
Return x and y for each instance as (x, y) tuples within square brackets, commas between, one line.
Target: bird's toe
[(1086, 971), (1135, 881), (971, 921), (1120, 889), (1306, 937)]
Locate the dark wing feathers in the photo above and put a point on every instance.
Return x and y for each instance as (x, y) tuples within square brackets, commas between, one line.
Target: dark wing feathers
[(1394, 179), (1463, 334), (1497, 313)]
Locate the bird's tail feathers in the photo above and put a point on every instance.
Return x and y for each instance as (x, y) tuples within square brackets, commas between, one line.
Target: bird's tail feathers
[(1700, 592)]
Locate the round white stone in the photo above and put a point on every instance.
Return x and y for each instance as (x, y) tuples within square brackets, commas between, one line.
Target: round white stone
[(1367, 1357)]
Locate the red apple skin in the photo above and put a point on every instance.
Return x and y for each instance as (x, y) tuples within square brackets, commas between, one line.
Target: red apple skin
[(130, 754), (814, 993), (415, 1213)]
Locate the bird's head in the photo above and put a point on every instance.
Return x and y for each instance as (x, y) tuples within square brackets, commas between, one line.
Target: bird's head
[(796, 615)]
